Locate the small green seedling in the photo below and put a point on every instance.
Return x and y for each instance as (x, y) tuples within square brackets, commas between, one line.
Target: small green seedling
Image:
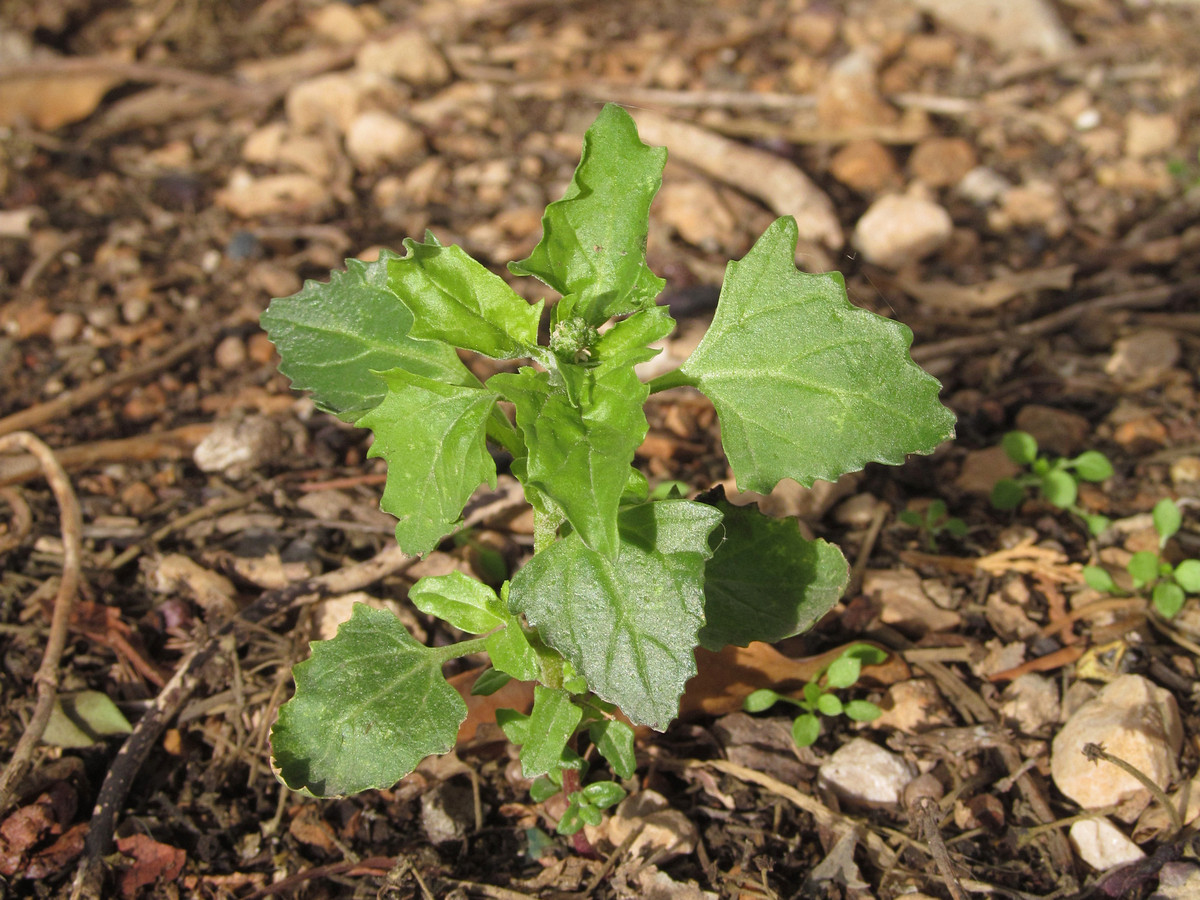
[(817, 698), (623, 584), (1057, 479), (1167, 585), (935, 521)]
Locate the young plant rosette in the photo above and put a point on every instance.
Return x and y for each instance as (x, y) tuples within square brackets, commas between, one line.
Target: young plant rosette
[(621, 588)]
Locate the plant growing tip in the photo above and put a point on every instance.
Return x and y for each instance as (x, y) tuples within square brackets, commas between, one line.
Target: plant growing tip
[(1056, 479), (624, 584)]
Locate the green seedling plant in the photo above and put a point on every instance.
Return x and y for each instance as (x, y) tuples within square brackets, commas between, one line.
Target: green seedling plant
[(817, 698), (1056, 479), (935, 521), (1167, 585), (622, 586)]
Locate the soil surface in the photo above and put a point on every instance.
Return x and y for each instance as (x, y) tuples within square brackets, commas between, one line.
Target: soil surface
[(1023, 193)]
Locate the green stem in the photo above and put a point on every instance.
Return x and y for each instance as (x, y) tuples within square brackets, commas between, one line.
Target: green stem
[(462, 648), (672, 379)]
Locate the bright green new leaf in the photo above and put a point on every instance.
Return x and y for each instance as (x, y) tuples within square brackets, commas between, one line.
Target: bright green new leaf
[(84, 719), (843, 672), (1092, 465), (1187, 575), (543, 789), (1143, 567), (1099, 579), (614, 740), (806, 729), (511, 653), (515, 725), (580, 448), (1167, 519), (1007, 494), (333, 337), (867, 654), (1059, 488), (1168, 598), (370, 704), (765, 581), (829, 705), (433, 438), (465, 603), (489, 681), (760, 700), (456, 300), (551, 724), (593, 246), (603, 794), (1020, 446), (805, 384), (630, 627), (862, 711)]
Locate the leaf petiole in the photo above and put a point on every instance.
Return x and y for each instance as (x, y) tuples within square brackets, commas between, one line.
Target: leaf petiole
[(673, 379)]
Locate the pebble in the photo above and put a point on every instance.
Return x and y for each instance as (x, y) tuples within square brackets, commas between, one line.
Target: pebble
[(237, 448), (1144, 355), (1101, 844), (914, 706), (942, 161), (249, 197), (1150, 135), (1031, 701), (134, 310), (697, 213), (408, 56), (447, 812), (1059, 431), (66, 327), (857, 511), (983, 186), (336, 97), (262, 145), (866, 166), (1035, 204), (905, 603), (230, 353), (1134, 719), (1185, 470), (377, 139), (901, 229), (1011, 26), (260, 349), (848, 96), (138, 497), (339, 22), (865, 775)]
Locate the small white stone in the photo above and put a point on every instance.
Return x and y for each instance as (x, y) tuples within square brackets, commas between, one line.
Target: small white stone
[(408, 56), (1102, 846), (250, 197), (334, 98), (1031, 700), (230, 353), (376, 139), (897, 230), (866, 775), (983, 186), (237, 448), (66, 327)]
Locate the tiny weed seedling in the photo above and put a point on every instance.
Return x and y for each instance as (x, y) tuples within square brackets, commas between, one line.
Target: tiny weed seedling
[(935, 521), (1057, 479), (623, 585), (1167, 585), (817, 698)]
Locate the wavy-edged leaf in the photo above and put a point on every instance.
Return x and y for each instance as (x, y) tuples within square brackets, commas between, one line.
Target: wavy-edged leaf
[(593, 246), (628, 627), (805, 384), (370, 704), (455, 299), (552, 722), (333, 337), (433, 438), (766, 581)]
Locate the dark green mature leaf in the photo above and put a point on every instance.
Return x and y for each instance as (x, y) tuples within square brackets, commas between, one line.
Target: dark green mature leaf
[(593, 246), (456, 300), (806, 385), (433, 438), (765, 581), (581, 438), (333, 337), (630, 627), (551, 724), (370, 704)]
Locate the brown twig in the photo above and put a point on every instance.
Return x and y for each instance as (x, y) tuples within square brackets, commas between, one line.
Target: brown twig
[(46, 676), (22, 519)]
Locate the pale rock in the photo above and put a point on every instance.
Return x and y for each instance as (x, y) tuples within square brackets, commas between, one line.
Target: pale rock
[(697, 213), (408, 56), (1185, 470), (857, 511), (66, 327), (238, 447), (815, 29), (17, 224), (1060, 431), (1150, 135), (848, 96), (1035, 204), (981, 469), (249, 198), (866, 166), (1000, 657), (1031, 701), (1143, 355), (905, 604), (447, 812), (1101, 844), (334, 98), (230, 353), (1008, 619), (1178, 880), (376, 139), (914, 706), (134, 310), (338, 22), (900, 229), (1011, 26), (1133, 719), (307, 153), (865, 775), (211, 591), (983, 186), (942, 161)]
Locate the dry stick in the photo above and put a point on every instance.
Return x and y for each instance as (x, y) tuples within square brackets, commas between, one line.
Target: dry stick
[(177, 691), (1139, 299), (1096, 752), (94, 390), (22, 519), (46, 676)]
